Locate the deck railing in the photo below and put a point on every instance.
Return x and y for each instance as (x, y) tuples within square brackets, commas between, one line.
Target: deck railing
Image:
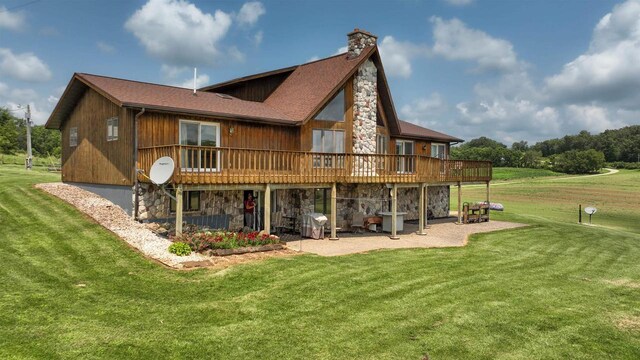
[(218, 165)]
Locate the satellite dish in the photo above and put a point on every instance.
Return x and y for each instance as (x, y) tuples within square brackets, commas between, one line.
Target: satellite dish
[(162, 170), (590, 210)]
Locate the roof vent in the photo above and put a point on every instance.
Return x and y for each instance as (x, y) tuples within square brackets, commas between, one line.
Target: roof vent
[(225, 96)]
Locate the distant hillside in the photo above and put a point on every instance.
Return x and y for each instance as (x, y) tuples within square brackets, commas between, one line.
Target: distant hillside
[(616, 145)]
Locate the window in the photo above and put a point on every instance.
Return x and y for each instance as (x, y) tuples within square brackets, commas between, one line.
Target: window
[(322, 201), (73, 137), (197, 134), (112, 129), (439, 151), (382, 146), (405, 161), (328, 141), (334, 111), (190, 201)]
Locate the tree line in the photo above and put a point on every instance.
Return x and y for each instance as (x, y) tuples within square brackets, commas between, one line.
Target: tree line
[(13, 137), (581, 153)]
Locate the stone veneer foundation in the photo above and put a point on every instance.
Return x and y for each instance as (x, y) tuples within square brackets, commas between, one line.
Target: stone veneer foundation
[(368, 199)]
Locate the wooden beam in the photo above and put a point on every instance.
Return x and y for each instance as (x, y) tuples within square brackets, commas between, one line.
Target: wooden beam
[(334, 209), (267, 209), (421, 210), (459, 203), (394, 212), (179, 210), (426, 206)]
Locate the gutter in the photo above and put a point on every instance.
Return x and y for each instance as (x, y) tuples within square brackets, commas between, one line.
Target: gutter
[(136, 205)]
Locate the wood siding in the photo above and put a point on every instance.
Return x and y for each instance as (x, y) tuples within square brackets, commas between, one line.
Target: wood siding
[(96, 160), (306, 133), (254, 90), (158, 129)]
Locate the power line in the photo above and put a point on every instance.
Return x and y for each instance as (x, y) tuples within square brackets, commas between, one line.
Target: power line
[(19, 6)]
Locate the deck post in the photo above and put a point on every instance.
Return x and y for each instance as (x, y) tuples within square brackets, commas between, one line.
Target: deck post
[(267, 208), (334, 209), (394, 212), (421, 216), (459, 203), (488, 200), (179, 210), (426, 206)]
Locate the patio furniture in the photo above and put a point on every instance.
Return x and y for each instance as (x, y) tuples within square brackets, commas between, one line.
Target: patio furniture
[(357, 223), (475, 213), (386, 221)]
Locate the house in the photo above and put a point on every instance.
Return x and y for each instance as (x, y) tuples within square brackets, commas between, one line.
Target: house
[(318, 137)]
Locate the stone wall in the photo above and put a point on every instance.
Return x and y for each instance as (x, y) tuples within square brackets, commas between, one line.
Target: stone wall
[(365, 198), (437, 202)]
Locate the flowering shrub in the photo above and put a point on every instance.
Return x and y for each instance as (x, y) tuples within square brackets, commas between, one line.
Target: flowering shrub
[(205, 240)]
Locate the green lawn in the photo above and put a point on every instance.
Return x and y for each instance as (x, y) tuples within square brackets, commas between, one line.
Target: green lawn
[(70, 289), (509, 173)]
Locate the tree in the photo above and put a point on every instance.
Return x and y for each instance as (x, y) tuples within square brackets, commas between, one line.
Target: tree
[(520, 146), (578, 162)]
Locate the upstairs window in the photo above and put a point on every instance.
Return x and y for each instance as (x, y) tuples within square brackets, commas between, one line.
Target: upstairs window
[(328, 141), (73, 137), (112, 129), (439, 151), (334, 111), (404, 148)]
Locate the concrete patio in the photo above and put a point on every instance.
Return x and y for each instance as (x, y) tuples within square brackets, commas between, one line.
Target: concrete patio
[(441, 233)]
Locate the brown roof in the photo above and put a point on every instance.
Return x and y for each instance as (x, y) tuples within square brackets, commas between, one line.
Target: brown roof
[(310, 85), (297, 99), (414, 131)]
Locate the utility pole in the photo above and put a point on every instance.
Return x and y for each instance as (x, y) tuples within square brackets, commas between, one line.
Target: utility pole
[(29, 155)]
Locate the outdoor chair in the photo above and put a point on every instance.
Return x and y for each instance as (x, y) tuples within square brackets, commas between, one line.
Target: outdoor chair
[(357, 223)]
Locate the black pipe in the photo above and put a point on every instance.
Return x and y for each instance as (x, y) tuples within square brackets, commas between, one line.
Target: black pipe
[(580, 213)]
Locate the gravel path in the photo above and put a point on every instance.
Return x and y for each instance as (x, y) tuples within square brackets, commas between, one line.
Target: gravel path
[(440, 234), (112, 217)]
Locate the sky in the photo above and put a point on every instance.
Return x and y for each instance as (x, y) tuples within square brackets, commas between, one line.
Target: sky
[(509, 70)]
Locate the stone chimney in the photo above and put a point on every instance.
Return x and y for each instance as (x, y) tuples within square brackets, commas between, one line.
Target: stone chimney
[(358, 40), (365, 102)]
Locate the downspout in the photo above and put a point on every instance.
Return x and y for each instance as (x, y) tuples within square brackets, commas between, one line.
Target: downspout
[(136, 205)]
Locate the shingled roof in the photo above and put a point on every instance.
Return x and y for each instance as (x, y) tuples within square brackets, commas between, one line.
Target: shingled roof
[(297, 99), (410, 130)]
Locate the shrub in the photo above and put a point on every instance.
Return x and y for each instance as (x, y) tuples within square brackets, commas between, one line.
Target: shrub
[(578, 162), (205, 240), (180, 249)]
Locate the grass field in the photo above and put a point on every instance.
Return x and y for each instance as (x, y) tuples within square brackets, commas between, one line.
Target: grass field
[(507, 173), (19, 159), (70, 289)]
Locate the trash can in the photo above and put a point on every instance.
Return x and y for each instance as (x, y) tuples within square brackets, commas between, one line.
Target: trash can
[(313, 225)]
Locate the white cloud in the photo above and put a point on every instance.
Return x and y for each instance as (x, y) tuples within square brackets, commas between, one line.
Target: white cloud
[(179, 33), (14, 21), (201, 80), (609, 72), (453, 40), (397, 55), (313, 58), (459, 2), (105, 48), (250, 13), (257, 38), (25, 66), (426, 110)]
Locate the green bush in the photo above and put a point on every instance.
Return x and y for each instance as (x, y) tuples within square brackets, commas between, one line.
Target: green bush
[(180, 249), (578, 162)]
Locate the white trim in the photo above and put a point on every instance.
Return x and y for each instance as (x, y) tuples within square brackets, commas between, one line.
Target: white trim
[(200, 123), (413, 152), (439, 144)]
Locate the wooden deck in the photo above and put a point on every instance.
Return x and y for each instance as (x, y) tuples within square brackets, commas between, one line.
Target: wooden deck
[(217, 165)]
